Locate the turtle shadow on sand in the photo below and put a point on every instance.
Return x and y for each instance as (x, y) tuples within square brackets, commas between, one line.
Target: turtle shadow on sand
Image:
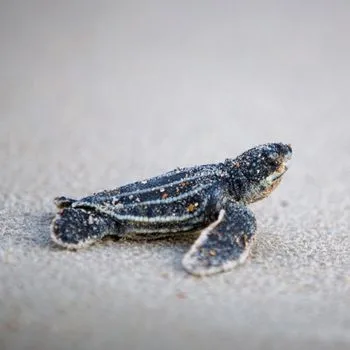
[(27, 229), (169, 250), (36, 229)]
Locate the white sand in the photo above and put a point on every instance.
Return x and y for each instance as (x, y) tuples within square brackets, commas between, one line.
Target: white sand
[(96, 95)]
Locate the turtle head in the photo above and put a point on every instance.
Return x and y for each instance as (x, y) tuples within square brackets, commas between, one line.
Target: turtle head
[(258, 171)]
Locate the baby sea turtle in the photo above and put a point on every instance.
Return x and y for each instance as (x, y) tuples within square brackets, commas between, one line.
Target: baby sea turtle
[(212, 198)]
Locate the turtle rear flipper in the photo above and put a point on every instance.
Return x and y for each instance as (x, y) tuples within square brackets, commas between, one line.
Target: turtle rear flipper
[(224, 244), (77, 227)]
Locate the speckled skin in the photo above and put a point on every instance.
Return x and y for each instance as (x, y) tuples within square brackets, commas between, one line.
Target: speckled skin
[(211, 198)]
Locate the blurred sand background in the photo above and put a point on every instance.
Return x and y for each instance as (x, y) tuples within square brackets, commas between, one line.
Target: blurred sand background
[(97, 94)]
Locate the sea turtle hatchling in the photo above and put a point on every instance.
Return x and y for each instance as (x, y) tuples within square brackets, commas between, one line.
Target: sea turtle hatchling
[(212, 198)]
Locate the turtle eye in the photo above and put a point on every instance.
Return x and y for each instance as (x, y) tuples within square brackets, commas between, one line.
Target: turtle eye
[(273, 155), (272, 158)]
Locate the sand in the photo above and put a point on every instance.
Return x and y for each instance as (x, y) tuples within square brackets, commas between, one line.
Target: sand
[(94, 95)]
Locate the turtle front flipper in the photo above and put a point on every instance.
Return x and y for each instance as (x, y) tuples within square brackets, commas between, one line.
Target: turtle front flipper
[(75, 228), (224, 244)]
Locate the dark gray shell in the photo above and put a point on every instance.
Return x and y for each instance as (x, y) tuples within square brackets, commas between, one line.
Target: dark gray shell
[(176, 201)]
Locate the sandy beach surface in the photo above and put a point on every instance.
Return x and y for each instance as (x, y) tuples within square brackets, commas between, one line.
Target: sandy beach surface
[(94, 95)]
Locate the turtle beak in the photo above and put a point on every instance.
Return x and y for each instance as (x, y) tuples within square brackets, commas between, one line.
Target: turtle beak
[(287, 157), (289, 152), (285, 164)]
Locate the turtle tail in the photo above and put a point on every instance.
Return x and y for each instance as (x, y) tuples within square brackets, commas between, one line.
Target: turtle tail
[(63, 202), (75, 228)]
